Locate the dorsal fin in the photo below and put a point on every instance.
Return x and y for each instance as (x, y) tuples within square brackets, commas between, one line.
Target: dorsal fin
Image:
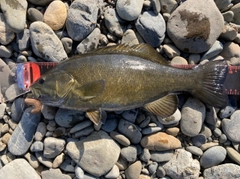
[(141, 50)]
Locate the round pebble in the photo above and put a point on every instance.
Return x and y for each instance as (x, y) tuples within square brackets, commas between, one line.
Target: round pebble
[(34, 14), (53, 147), (120, 138), (129, 153), (134, 170), (194, 150), (199, 140)]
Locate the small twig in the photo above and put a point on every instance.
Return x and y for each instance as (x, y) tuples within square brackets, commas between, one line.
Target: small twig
[(37, 106)]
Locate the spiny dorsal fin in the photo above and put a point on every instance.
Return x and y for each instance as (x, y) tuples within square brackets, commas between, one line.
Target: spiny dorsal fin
[(141, 50)]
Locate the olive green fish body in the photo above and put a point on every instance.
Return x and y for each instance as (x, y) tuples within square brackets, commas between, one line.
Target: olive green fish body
[(119, 78)]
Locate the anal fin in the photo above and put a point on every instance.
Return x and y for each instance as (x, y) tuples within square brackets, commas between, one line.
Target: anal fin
[(163, 107)]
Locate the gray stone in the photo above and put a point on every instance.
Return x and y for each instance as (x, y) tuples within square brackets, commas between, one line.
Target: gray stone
[(95, 154), (227, 170), (153, 33), (229, 32), (79, 172), (181, 162), (45, 43), (168, 6), (236, 10), (134, 170), (32, 160), (163, 156), (213, 51), (160, 172), (82, 17), (2, 109), (53, 147), (67, 166), (171, 50), (228, 16), (231, 127), (211, 117), (129, 38), (41, 131), (54, 173), (34, 14), (145, 155), (182, 22), (199, 140), (6, 33), (37, 146), (229, 109), (113, 22), (130, 130), (45, 161), (120, 138), (23, 40), (84, 132), (193, 115), (129, 153), (67, 44), (213, 156), (129, 10), (110, 124), (130, 115), (18, 168), (40, 2), (222, 5), (48, 112), (194, 150), (80, 126), (58, 160), (17, 109), (5, 51), (15, 13), (90, 42), (22, 136), (152, 168), (113, 173), (151, 130), (68, 118)]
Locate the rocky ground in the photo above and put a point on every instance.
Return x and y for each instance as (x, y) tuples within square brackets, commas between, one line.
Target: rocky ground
[(197, 141)]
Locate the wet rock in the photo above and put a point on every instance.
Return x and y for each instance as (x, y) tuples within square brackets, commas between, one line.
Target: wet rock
[(15, 13), (82, 17), (45, 43), (182, 22), (153, 33), (96, 154), (160, 142), (22, 136), (181, 162)]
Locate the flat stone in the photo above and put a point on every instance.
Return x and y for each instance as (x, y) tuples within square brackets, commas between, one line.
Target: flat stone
[(84, 132), (45, 43), (55, 15), (134, 170), (233, 154), (130, 130), (216, 48), (151, 130), (153, 33), (194, 150), (95, 154), (160, 142), (231, 127), (82, 17), (18, 168), (90, 42), (199, 140), (182, 22), (173, 131), (41, 131), (213, 156), (193, 115), (110, 124), (130, 115), (181, 162), (22, 136), (113, 173), (129, 10), (80, 126), (53, 147), (6, 33), (227, 170), (15, 13), (68, 118), (161, 156), (54, 173)]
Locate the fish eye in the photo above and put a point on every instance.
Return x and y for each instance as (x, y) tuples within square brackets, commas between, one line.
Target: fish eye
[(41, 81)]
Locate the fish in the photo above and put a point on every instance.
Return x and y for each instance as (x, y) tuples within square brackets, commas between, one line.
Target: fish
[(120, 77)]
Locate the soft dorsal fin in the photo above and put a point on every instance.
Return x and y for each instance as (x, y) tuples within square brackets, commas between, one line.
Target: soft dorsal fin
[(141, 50)]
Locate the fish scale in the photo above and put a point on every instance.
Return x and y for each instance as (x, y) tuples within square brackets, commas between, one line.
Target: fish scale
[(29, 72)]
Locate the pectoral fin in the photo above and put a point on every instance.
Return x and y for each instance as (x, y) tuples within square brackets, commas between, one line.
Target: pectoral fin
[(95, 116), (90, 90), (163, 107)]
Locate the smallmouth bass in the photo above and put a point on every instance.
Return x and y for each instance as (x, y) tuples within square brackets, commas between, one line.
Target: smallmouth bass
[(122, 77)]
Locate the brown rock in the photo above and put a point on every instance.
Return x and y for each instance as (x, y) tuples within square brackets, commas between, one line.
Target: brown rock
[(144, 177), (134, 170), (55, 15), (160, 142)]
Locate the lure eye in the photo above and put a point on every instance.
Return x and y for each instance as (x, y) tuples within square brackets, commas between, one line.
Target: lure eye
[(41, 81)]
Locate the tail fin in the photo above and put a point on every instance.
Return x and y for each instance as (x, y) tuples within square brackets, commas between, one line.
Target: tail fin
[(210, 87)]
